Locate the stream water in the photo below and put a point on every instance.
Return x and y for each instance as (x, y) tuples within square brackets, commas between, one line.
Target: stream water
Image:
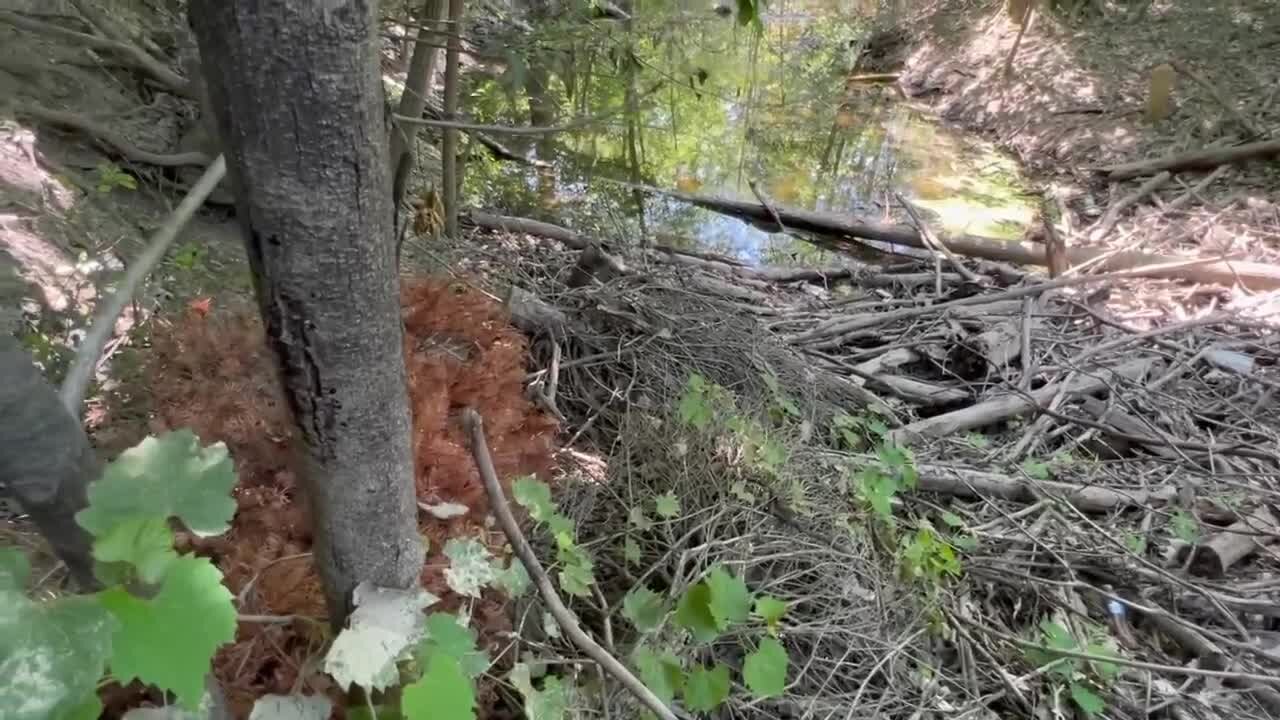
[(682, 97)]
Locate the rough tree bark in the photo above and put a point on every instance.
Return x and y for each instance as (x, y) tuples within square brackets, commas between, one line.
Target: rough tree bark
[(299, 106), (47, 461)]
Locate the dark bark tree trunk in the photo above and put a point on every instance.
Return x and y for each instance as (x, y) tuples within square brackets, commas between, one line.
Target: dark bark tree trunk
[(299, 106), (46, 460)]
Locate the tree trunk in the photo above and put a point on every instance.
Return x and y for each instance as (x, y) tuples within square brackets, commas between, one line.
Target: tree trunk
[(46, 461), (299, 105), (417, 87), (450, 145)]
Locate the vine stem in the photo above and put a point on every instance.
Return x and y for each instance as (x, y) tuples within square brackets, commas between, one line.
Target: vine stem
[(474, 425)]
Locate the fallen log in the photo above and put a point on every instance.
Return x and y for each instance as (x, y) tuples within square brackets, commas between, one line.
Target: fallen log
[(1013, 404), (1196, 160), (831, 229), (1246, 536)]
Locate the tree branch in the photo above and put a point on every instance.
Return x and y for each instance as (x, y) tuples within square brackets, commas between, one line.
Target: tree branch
[(484, 463), (114, 141)]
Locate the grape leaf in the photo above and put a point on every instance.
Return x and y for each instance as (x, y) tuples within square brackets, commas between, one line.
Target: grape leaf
[(1035, 469), (730, 600), (661, 673), (576, 579), (644, 608), (513, 579), (442, 693), (667, 505), (637, 517), (385, 624), (52, 655), (166, 476), (693, 613), (470, 566), (765, 670), (550, 703), (1087, 700), (169, 640), (705, 689), (291, 707), (444, 634), (15, 568), (535, 496), (146, 543), (631, 551), (770, 609)]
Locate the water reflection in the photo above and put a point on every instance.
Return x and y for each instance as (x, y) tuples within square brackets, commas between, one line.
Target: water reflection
[(690, 100)]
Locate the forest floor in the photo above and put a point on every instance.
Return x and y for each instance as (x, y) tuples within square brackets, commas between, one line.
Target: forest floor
[(1028, 529)]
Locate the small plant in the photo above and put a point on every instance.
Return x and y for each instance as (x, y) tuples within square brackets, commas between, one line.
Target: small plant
[(877, 482), (1084, 680), (708, 407), (110, 177), (858, 432), (576, 568)]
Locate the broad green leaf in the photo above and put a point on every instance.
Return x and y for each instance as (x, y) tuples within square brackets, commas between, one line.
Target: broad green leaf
[(1136, 543), (644, 608), (1056, 636), (513, 579), (693, 613), (169, 640), (661, 673), (577, 579), (705, 689), (770, 609), (52, 654), (638, 519), (90, 709), (166, 476), (535, 496), (146, 543), (730, 599), (552, 702), (444, 634), (951, 519), (667, 506), (15, 568), (1185, 527), (695, 407), (470, 566), (1035, 469), (291, 707), (631, 551), (442, 693), (384, 626), (1108, 671), (1087, 700), (765, 670)]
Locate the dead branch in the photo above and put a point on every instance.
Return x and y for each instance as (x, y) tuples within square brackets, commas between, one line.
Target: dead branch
[(564, 618), (1112, 215), (139, 57), (114, 142), (1197, 160), (1004, 407), (86, 360), (1243, 538)]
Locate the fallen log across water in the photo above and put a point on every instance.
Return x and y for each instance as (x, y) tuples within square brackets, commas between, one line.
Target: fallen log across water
[(831, 230)]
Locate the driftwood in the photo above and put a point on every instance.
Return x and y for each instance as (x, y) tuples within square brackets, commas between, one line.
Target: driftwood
[(1197, 160), (1007, 406), (832, 228), (1243, 538)]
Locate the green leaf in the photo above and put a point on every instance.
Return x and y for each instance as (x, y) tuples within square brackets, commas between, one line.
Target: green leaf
[(470, 566), (770, 609), (977, 440), (442, 693), (146, 543), (644, 608), (1056, 636), (552, 702), (1185, 527), (577, 579), (444, 634), (1108, 671), (765, 670), (1035, 469), (1136, 543), (513, 579), (661, 673), (15, 568), (631, 551), (694, 408), (169, 640), (637, 518), (951, 519), (705, 689), (1087, 700), (535, 496), (667, 506), (730, 600), (166, 476), (740, 491), (693, 613), (52, 654)]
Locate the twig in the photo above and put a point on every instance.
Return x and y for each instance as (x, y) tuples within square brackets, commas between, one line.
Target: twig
[(767, 205), (564, 618), (1112, 215), (934, 244), (77, 380)]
